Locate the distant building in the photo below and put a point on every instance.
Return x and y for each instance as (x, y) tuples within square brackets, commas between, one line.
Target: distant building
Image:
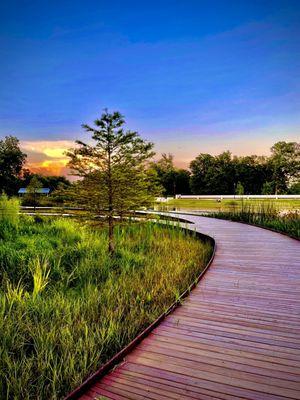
[(42, 191)]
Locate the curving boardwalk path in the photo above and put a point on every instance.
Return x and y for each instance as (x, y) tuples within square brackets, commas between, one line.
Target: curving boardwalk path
[(236, 336)]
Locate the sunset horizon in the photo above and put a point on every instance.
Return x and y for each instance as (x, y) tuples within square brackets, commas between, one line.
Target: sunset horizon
[(49, 158)]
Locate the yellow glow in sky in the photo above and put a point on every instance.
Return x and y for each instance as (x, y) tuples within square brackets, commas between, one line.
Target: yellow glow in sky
[(47, 157)]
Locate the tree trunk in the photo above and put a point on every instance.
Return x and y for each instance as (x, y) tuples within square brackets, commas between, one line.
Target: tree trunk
[(111, 244)]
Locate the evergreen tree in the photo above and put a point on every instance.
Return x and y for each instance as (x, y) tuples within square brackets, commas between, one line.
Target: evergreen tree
[(114, 170)]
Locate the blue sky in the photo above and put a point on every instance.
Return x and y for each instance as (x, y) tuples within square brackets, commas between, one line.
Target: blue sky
[(192, 76)]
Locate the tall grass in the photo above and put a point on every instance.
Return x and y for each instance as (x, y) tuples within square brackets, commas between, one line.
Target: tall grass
[(265, 215), (9, 214), (66, 306)]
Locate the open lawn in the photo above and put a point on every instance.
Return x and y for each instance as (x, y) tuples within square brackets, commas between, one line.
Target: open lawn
[(67, 307), (225, 205)]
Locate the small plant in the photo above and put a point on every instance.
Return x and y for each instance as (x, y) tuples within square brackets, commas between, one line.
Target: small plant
[(40, 274), (14, 293)]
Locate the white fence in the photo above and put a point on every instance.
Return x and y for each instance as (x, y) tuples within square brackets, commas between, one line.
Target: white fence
[(238, 196)]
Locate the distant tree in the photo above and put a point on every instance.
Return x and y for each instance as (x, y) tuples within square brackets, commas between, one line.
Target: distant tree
[(239, 189), (31, 196), (219, 174), (252, 172), (114, 170), (12, 160), (51, 182), (173, 180), (202, 168), (268, 188), (285, 164), (182, 181), (294, 188), (224, 174), (212, 174), (63, 194)]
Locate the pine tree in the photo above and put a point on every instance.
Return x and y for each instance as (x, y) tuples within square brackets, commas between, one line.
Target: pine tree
[(114, 170)]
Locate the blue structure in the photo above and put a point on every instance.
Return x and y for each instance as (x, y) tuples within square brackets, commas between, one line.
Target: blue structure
[(45, 191)]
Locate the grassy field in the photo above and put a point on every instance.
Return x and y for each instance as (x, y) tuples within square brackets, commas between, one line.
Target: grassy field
[(225, 205), (66, 306)]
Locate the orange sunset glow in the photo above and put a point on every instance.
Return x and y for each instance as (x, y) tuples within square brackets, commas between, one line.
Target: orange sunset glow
[(47, 157)]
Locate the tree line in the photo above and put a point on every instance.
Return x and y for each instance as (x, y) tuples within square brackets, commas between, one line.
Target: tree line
[(207, 174), (226, 174)]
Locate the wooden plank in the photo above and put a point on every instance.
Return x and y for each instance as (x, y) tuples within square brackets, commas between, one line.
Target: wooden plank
[(231, 379), (213, 357), (263, 348), (232, 326), (255, 379), (133, 390), (284, 329), (176, 383), (236, 351), (199, 385), (141, 385)]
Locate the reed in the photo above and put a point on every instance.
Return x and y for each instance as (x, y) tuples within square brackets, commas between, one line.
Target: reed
[(266, 215)]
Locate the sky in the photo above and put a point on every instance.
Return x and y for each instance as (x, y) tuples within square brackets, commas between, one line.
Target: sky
[(191, 76)]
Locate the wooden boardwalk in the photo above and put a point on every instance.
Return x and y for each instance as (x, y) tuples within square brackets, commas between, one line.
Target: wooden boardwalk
[(237, 336)]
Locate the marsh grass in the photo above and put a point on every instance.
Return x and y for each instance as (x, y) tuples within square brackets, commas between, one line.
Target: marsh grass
[(66, 307), (9, 214), (266, 215), (226, 204)]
